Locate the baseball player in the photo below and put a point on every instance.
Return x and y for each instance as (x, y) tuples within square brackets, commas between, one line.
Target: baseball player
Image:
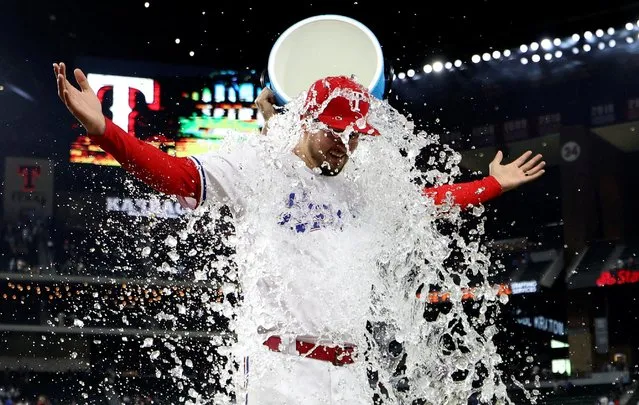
[(309, 218)]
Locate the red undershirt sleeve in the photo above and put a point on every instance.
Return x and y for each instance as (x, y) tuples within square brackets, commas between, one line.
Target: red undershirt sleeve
[(162, 172), (465, 194)]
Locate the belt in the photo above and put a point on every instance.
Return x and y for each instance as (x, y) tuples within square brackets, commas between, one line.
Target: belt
[(337, 355)]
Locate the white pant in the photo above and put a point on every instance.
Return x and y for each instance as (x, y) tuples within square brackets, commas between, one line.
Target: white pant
[(274, 378)]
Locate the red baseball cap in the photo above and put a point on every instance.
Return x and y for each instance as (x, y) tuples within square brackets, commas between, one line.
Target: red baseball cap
[(348, 104)]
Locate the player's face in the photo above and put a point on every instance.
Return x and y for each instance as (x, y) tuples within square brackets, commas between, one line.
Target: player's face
[(328, 151)]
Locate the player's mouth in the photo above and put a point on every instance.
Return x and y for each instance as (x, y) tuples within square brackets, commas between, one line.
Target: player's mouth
[(337, 154)]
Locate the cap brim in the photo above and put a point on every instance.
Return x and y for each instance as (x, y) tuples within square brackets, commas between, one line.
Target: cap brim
[(340, 124)]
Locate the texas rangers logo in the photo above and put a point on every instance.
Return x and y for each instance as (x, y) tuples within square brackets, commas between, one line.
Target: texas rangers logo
[(304, 215), (355, 99)]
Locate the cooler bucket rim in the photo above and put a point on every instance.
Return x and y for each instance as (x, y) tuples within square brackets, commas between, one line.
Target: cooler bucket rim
[(379, 69)]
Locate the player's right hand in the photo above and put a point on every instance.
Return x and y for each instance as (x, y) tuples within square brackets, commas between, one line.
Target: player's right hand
[(265, 103), (83, 103)]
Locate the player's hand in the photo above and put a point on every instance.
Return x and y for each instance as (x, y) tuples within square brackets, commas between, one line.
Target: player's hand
[(83, 102), (520, 171), (265, 103)]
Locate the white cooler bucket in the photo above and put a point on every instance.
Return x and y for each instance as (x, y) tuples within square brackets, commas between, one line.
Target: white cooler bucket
[(320, 46)]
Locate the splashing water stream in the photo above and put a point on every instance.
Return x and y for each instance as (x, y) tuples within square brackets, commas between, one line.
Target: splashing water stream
[(342, 258), (324, 256)]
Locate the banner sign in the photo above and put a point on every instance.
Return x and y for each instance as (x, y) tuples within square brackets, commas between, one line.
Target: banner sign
[(602, 114), (28, 187), (549, 124), (616, 277), (544, 324), (515, 130), (523, 287), (142, 207)]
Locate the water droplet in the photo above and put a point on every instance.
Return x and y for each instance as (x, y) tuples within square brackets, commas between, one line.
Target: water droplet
[(171, 241)]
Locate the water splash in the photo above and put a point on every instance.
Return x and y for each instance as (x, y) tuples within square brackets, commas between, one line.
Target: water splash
[(346, 258), (348, 268)]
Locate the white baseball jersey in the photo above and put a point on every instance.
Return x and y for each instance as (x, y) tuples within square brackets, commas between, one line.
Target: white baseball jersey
[(302, 241)]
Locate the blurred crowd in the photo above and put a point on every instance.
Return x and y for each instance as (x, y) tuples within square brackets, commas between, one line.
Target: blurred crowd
[(26, 245)]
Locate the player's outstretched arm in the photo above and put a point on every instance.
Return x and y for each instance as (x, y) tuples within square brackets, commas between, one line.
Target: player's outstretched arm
[(501, 178), (166, 174)]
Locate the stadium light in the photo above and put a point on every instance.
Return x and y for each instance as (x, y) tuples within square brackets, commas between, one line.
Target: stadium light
[(549, 48)]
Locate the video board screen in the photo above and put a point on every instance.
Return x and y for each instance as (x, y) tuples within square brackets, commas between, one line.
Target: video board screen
[(182, 114)]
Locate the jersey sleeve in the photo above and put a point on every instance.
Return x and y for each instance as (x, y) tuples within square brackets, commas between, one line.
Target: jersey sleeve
[(222, 174), (466, 194), (164, 173)]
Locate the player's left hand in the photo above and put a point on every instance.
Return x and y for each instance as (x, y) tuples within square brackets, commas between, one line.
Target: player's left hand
[(82, 102), (522, 170)]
